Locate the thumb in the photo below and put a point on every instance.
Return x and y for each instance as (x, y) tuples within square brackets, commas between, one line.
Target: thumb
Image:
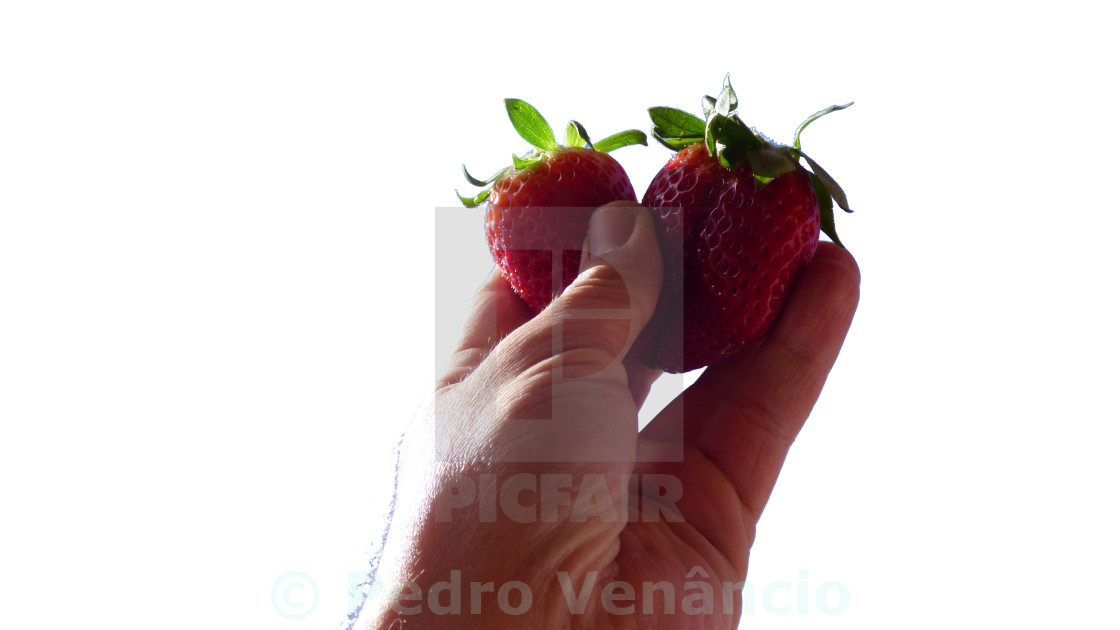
[(615, 294), (565, 366)]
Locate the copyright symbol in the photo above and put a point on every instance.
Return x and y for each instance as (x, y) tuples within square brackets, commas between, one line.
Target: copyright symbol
[(295, 595)]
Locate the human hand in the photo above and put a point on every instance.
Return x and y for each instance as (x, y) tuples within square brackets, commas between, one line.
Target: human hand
[(527, 497)]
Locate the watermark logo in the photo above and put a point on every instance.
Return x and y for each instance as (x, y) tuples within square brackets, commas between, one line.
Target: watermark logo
[(698, 594), (780, 597), (295, 595), (456, 281), (551, 498)]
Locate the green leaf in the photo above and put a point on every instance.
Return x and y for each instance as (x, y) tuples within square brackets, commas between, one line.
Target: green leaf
[(730, 140), (739, 134), (829, 184), (530, 125), (713, 130), (723, 104), (824, 205), (520, 163), (476, 201), (676, 144), (727, 101), (619, 140), (482, 182), (722, 155), (823, 112), (576, 135), (709, 105), (675, 123), (772, 162), (732, 98)]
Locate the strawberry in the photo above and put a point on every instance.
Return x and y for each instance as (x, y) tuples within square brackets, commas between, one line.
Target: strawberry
[(538, 209), (737, 217)]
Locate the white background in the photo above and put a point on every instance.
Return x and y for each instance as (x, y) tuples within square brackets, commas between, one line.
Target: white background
[(217, 279)]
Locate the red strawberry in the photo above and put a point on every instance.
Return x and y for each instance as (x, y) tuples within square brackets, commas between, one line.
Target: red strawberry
[(538, 209), (738, 217)]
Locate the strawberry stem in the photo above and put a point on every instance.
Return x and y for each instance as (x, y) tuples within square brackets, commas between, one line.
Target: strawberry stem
[(532, 126), (731, 141)]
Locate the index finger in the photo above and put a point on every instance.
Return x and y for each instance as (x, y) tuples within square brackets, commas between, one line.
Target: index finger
[(494, 312), (744, 413)]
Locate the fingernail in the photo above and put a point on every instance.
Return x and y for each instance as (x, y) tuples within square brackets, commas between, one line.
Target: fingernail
[(610, 229)]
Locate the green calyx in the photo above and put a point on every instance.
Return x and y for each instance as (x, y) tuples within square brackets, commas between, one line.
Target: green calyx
[(731, 141), (531, 126)]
